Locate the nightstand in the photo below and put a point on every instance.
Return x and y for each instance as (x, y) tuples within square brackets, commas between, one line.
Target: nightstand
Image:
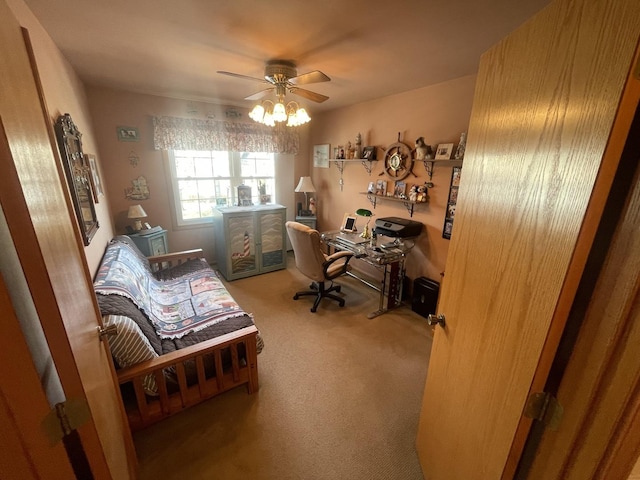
[(152, 244), (308, 221)]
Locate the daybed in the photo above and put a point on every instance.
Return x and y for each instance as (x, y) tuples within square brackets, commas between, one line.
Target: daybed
[(181, 337)]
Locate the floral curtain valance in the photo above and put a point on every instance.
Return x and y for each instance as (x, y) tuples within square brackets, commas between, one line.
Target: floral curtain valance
[(173, 133)]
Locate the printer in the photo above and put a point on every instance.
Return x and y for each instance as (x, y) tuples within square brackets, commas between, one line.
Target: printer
[(397, 227)]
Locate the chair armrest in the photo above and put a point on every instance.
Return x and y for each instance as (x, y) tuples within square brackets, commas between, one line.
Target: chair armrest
[(331, 259), (339, 254)]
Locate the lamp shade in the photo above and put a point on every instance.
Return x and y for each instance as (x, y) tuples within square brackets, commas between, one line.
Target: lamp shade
[(305, 185), (136, 211)]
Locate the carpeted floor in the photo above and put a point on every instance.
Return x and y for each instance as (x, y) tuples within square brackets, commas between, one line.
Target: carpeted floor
[(339, 395)]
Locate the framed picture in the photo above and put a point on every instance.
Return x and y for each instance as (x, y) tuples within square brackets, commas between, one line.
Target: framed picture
[(369, 153), (94, 176), (127, 134), (443, 152), (321, 156), (372, 187), (451, 204), (349, 223), (381, 188), (339, 152), (78, 176), (399, 189), (244, 196)]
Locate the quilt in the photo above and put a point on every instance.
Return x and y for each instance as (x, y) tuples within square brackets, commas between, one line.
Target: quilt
[(175, 307)]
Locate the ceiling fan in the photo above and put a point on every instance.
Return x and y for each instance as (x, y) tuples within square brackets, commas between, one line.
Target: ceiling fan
[(283, 77)]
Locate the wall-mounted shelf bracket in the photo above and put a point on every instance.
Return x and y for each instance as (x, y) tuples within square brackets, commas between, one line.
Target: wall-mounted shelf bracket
[(373, 199), (368, 165), (429, 164)]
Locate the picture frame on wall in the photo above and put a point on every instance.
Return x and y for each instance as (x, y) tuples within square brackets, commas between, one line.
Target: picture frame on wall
[(127, 134), (450, 212), (321, 155), (444, 150)]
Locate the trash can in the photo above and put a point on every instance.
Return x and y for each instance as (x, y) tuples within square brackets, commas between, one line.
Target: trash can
[(425, 296)]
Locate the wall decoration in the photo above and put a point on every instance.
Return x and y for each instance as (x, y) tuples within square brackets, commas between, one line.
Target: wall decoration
[(127, 134), (451, 203), (94, 176), (369, 153), (399, 189), (321, 156), (78, 176), (444, 150), (139, 190), (133, 158)]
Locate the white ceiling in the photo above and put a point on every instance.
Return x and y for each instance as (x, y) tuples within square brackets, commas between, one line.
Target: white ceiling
[(369, 48)]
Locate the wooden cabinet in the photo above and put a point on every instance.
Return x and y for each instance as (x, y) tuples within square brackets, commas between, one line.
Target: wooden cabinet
[(151, 244), (250, 240)]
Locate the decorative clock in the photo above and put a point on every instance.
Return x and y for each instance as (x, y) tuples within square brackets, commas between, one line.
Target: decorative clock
[(397, 160)]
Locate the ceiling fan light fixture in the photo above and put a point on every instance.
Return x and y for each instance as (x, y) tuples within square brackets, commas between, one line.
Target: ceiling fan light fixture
[(257, 113), (303, 116), (269, 113), (279, 112)]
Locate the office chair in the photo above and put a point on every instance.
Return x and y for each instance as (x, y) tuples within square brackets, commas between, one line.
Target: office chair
[(315, 264)]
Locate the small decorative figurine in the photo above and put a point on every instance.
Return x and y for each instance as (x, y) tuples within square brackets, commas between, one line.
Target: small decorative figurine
[(312, 206), (358, 148), (413, 194), (423, 150)]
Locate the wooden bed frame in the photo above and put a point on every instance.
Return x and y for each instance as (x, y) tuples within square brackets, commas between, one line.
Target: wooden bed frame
[(147, 410)]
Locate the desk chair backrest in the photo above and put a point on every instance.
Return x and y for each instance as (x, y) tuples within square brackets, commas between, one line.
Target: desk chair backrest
[(307, 250)]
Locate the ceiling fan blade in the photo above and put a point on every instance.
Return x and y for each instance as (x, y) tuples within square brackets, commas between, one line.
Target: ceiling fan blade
[(260, 94), (245, 77), (312, 77), (313, 96)]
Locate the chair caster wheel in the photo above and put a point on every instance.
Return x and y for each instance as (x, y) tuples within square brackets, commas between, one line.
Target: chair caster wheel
[(295, 297), (341, 303), (313, 310), (338, 288)]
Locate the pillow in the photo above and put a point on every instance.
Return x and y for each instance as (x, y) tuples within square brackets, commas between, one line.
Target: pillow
[(130, 346)]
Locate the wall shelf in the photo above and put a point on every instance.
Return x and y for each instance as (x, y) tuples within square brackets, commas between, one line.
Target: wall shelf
[(430, 164), (409, 205), (366, 163)]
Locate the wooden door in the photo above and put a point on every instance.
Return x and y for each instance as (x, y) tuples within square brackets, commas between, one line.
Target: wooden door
[(538, 170), (43, 229)]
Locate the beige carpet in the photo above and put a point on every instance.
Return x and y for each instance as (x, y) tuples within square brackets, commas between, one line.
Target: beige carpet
[(339, 395)]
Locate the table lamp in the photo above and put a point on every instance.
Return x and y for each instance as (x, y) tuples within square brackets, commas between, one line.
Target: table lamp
[(363, 212), (137, 212), (305, 185)]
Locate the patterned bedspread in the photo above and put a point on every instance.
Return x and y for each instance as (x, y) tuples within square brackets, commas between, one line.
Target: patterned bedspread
[(175, 307)]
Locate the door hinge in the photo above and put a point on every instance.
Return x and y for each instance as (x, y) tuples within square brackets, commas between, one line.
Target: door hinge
[(545, 408), (64, 418)]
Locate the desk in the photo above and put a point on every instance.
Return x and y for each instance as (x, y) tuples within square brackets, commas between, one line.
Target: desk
[(389, 261)]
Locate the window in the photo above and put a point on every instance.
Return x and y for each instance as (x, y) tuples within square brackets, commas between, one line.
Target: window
[(204, 180)]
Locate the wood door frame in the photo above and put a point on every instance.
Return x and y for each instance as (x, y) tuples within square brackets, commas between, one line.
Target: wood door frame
[(598, 343), (26, 452)]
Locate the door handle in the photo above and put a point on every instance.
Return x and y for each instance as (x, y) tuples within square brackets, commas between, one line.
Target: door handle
[(436, 319)]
